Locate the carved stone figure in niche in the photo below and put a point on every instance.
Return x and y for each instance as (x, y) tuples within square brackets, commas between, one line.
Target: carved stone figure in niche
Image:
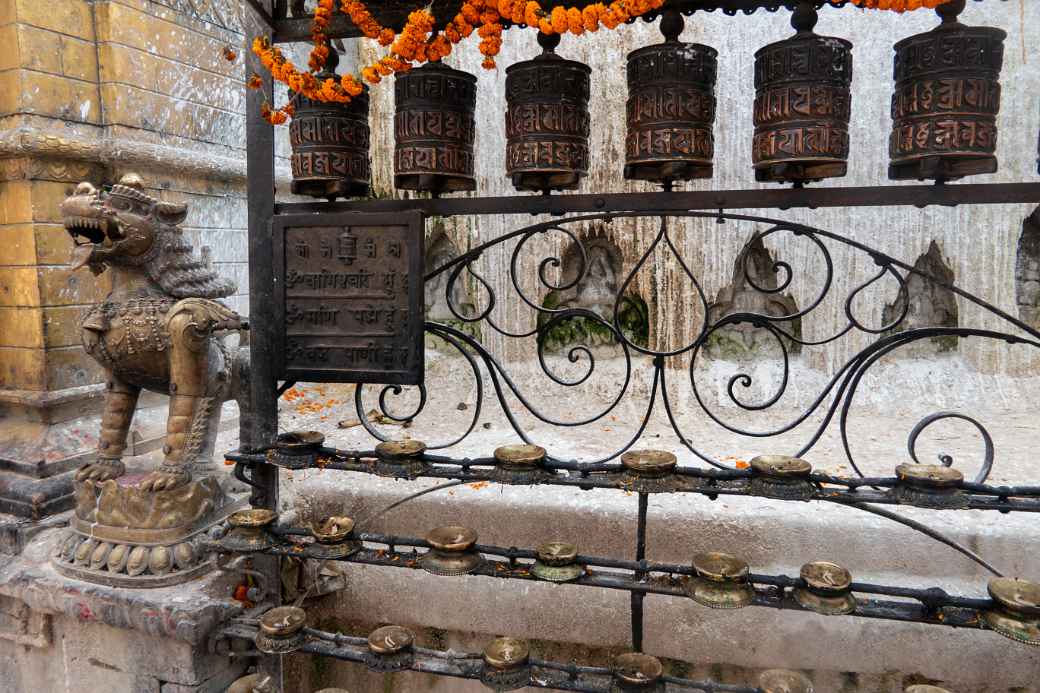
[(1027, 271), (595, 291), (159, 329), (931, 305), (438, 253), (755, 263)]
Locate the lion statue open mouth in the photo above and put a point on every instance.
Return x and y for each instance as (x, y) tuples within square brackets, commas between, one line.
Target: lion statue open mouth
[(159, 329)]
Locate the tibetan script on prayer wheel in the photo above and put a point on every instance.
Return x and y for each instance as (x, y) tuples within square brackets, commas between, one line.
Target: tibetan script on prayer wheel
[(433, 129), (547, 121), (671, 108), (802, 105), (330, 145), (946, 100), (349, 298)]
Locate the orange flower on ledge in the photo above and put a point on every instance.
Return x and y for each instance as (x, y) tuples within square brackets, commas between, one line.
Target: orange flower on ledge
[(899, 5)]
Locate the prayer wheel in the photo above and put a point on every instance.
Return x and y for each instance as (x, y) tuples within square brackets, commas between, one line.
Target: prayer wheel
[(547, 120), (433, 129), (671, 108), (946, 100), (802, 105), (330, 144)]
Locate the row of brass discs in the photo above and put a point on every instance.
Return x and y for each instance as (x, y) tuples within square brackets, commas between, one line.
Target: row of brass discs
[(944, 108), (644, 471)]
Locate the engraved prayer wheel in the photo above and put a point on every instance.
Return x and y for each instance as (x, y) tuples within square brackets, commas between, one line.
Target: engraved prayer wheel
[(671, 108), (547, 120), (802, 105), (433, 129), (330, 144), (947, 95)]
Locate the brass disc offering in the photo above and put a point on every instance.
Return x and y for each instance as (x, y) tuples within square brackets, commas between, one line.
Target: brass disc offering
[(330, 536), (784, 681), (400, 459), (506, 665), (925, 688), (634, 671), (781, 476), (451, 551), (721, 581), (826, 589), (929, 486), (519, 464), (281, 630), (1017, 615), (556, 562), (249, 530), (296, 449), (390, 649), (648, 471)]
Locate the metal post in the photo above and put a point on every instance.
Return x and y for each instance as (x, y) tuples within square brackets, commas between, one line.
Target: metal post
[(260, 425), (637, 597)]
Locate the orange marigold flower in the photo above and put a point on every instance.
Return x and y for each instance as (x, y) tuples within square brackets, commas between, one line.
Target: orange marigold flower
[(255, 82), (559, 20), (229, 54)]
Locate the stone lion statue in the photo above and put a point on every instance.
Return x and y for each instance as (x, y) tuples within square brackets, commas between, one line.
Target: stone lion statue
[(160, 328)]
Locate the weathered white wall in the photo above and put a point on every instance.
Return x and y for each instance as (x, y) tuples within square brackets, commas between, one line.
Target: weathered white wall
[(978, 243)]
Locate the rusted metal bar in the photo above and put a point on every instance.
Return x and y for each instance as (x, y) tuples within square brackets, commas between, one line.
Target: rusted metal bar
[(948, 195)]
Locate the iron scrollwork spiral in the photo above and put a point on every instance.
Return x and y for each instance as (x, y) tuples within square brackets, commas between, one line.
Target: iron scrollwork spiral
[(831, 405)]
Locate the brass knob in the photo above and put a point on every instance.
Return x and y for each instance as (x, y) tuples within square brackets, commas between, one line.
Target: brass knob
[(557, 553), (400, 449), (781, 466), (1018, 596), (637, 669), (825, 577), (299, 440), (720, 567), (283, 621), (925, 688), (784, 681), (453, 538), (651, 463), (252, 518), (934, 476), (505, 654), (333, 529), (390, 640), (520, 455)]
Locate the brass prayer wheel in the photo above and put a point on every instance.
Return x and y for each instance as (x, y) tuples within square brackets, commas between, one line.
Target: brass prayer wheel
[(671, 108), (947, 95), (547, 120), (506, 664), (648, 471), (332, 538), (433, 129), (329, 142), (802, 105), (784, 681), (451, 551), (281, 630), (1017, 615)]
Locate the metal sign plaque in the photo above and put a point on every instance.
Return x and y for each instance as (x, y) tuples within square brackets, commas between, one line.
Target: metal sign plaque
[(349, 297)]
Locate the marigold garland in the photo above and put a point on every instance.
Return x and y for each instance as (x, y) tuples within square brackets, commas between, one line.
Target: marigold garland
[(417, 43)]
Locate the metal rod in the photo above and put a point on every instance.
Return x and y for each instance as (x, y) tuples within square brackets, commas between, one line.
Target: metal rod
[(780, 198), (637, 597)]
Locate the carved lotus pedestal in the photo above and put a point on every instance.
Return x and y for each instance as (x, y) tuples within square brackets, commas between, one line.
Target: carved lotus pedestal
[(125, 536)]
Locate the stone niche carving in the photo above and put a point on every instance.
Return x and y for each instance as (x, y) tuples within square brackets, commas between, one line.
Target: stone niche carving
[(160, 328), (440, 250), (1027, 271), (595, 291), (743, 341), (931, 305)]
